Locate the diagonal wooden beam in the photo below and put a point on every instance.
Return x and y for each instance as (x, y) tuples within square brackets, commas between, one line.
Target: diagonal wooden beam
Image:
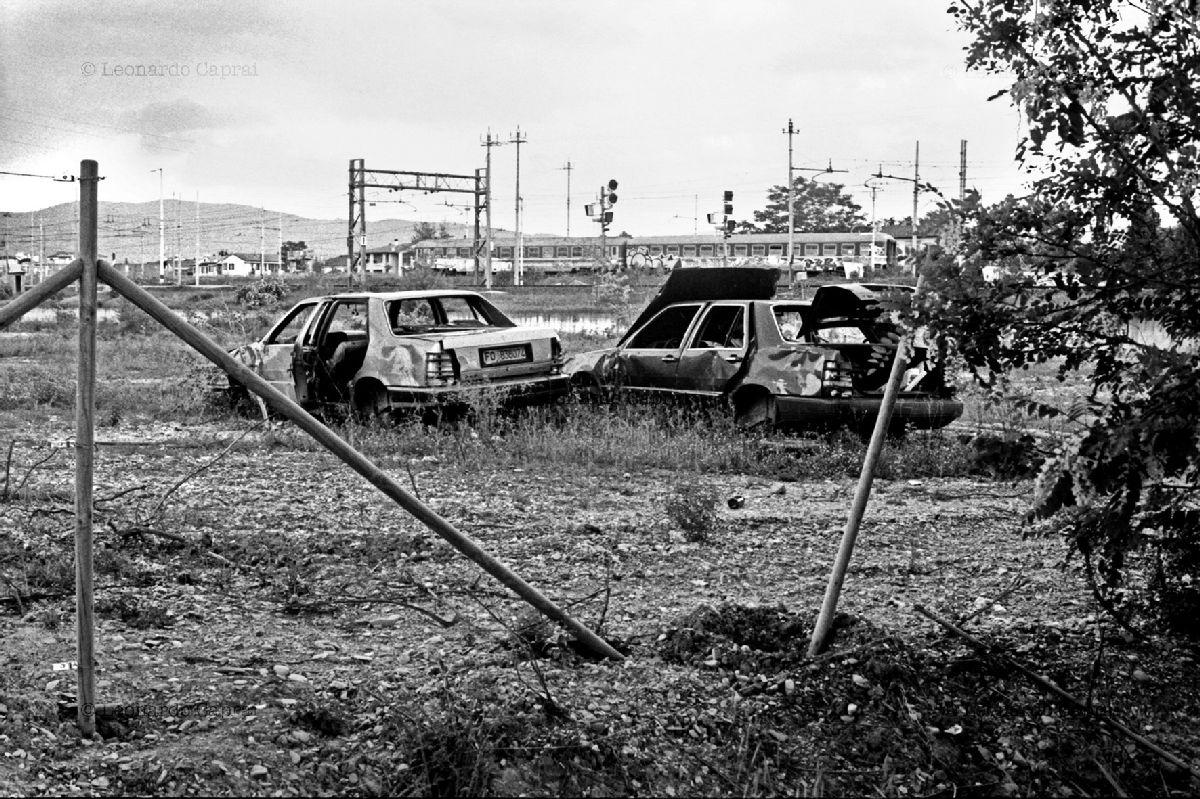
[(351, 457), (29, 300)]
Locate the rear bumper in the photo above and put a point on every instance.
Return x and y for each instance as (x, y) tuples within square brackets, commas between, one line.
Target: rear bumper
[(922, 412), (532, 391)]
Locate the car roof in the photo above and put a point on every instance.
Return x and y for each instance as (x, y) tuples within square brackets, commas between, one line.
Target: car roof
[(398, 295), (709, 284)]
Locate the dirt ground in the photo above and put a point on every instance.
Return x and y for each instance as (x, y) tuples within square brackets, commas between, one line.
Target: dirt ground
[(272, 624)]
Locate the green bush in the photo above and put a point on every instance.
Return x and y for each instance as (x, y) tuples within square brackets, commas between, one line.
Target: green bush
[(265, 293), (692, 507)]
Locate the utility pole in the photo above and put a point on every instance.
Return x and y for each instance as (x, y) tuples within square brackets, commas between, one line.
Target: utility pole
[(962, 170), (262, 244), (178, 243), (568, 169), (281, 264), (196, 265), (162, 230), (791, 201), (42, 250), (489, 143), (874, 187), (916, 194), (518, 265)]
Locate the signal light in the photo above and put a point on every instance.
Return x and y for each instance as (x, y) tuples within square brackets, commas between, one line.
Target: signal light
[(612, 185), (728, 202)]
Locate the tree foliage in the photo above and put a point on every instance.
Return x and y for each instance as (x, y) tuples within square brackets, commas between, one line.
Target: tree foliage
[(428, 230), (818, 208), (1112, 112)]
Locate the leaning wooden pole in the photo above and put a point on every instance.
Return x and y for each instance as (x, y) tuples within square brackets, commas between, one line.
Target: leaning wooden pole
[(862, 493), (85, 448), (24, 303), (352, 457)]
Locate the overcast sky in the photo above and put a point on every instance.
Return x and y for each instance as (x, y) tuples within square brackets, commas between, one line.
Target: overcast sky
[(678, 101)]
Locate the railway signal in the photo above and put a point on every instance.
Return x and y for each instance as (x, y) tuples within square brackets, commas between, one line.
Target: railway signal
[(601, 211)]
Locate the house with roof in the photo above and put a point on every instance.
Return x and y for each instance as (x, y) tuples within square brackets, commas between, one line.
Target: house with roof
[(246, 265), (390, 257)]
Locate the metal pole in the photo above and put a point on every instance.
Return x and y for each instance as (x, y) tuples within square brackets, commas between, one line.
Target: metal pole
[(487, 210), (85, 448), (874, 227), (568, 169), (162, 229), (196, 265), (791, 201), (518, 259), (603, 228), (861, 494), (916, 194), (352, 457)]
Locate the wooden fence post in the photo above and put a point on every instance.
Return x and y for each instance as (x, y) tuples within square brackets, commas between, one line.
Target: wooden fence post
[(862, 493), (85, 448), (352, 458)]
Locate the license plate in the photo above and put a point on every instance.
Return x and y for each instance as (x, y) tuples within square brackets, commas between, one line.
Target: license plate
[(499, 356)]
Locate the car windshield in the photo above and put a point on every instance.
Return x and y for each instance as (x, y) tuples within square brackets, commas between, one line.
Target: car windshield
[(449, 312)]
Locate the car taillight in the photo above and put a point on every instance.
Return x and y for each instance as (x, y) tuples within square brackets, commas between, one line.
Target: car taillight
[(836, 379), (440, 365), (556, 355)]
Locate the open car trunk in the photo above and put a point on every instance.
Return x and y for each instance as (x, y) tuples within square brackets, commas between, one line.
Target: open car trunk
[(856, 321)]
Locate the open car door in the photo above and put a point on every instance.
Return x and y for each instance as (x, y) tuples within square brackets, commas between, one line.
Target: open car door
[(279, 351)]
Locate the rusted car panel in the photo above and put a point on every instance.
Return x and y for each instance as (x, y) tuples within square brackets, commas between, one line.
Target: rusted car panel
[(777, 362), (379, 352)]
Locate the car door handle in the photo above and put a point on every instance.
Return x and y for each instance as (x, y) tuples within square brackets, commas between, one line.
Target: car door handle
[(733, 358), (670, 358)]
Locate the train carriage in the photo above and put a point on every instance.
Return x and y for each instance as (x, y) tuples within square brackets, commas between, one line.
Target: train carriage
[(553, 255)]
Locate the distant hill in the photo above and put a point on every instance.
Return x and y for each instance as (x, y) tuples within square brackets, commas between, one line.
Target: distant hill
[(130, 230)]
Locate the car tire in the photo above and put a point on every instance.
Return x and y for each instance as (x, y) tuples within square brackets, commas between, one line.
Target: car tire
[(369, 402), (757, 414)]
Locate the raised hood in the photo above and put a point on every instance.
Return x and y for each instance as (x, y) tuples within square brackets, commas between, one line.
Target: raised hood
[(709, 283), (860, 300)]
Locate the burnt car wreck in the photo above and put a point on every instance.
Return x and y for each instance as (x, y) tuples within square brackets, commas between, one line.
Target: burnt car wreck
[(720, 334), (375, 354)]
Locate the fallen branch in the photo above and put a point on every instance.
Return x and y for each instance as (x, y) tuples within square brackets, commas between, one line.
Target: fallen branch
[(141, 529), (208, 464), (1053, 689), (1018, 582), (7, 495)]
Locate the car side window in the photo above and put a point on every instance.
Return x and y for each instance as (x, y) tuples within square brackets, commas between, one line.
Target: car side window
[(790, 320), (409, 316), (723, 327), (666, 330), (461, 313), (350, 318), (290, 328)]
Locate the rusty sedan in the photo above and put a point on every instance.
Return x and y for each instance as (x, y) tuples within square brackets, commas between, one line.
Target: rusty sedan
[(720, 333), (379, 353)]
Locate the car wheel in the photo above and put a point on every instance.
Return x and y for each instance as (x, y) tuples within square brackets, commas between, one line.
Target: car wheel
[(758, 414), (370, 403)]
